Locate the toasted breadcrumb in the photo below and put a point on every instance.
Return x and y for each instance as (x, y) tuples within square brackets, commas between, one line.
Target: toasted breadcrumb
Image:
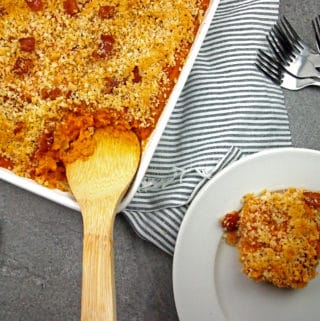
[(278, 237), (68, 67)]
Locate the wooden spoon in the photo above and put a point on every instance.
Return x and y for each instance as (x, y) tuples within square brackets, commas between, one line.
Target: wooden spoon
[(99, 183)]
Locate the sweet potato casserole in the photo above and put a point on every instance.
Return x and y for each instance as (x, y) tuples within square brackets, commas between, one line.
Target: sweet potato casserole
[(69, 67), (277, 236)]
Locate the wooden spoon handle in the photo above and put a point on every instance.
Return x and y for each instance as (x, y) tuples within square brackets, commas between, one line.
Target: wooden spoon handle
[(98, 284), (98, 302)]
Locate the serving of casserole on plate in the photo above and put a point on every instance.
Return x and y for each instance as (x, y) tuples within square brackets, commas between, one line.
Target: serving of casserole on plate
[(277, 236), (70, 67)]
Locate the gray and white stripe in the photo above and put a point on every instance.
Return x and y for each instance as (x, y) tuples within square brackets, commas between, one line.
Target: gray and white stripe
[(227, 109)]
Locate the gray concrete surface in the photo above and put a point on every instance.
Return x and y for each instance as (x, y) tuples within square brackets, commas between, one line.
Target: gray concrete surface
[(40, 242)]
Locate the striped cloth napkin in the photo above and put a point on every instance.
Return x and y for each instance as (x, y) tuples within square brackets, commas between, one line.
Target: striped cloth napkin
[(227, 109)]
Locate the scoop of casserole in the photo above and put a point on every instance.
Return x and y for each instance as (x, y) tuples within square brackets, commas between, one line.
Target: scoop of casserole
[(277, 235)]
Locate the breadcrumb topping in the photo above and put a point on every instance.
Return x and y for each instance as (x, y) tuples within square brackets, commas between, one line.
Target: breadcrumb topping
[(104, 62), (278, 236)]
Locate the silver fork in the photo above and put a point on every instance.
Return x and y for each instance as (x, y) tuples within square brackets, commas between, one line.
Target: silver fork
[(274, 70), (289, 56), (316, 28), (299, 45)]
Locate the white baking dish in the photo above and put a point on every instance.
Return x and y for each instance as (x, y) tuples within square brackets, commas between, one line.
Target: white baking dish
[(67, 199)]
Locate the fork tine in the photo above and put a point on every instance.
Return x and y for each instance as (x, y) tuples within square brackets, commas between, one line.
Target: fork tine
[(282, 32), (289, 32), (316, 28), (287, 27), (269, 67), (286, 45), (289, 45), (276, 47), (266, 72), (268, 60)]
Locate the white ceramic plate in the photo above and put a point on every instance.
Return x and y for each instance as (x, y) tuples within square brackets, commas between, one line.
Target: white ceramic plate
[(67, 199), (207, 278)]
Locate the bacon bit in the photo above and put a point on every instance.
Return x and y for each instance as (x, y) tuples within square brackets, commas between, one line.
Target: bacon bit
[(68, 94), (136, 75), (55, 93), (27, 44), (19, 127), (27, 98), (105, 46), (6, 162), (51, 94), (46, 142), (22, 66), (3, 11), (106, 43), (107, 12), (44, 93), (71, 7), (111, 83), (230, 221), (35, 5), (312, 199)]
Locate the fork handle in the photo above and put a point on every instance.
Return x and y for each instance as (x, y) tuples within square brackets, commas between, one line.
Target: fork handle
[(316, 83), (306, 82), (313, 82), (315, 59)]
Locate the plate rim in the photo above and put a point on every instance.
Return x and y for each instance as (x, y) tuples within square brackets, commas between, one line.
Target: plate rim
[(188, 215)]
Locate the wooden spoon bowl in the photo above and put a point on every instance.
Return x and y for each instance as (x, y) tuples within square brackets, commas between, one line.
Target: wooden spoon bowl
[(99, 183)]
